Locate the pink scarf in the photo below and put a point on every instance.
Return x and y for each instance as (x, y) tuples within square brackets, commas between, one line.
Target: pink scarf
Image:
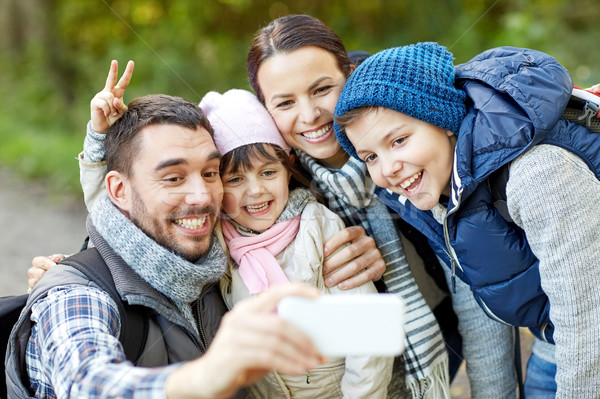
[(256, 255)]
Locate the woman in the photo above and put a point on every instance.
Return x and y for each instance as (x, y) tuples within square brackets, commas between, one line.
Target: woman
[(297, 67)]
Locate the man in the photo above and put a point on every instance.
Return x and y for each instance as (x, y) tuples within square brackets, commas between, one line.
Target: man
[(154, 231)]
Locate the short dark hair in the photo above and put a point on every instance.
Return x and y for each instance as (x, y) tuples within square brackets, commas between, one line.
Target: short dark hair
[(241, 158), (289, 33), (351, 116), (122, 140)]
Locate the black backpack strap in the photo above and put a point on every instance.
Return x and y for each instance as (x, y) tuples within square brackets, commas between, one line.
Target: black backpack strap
[(134, 318), (10, 309), (85, 244), (518, 363), (497, 185)]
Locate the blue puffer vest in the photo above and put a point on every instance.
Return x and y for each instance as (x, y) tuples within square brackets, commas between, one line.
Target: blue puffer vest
[(515, 99)]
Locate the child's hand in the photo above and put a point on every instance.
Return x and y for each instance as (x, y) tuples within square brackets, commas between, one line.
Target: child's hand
[(108, 106), (39, 266)]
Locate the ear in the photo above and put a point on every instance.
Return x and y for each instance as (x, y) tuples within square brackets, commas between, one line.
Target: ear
[(118, 190)]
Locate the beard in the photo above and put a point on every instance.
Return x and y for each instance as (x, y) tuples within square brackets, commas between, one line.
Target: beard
[(164, 232)]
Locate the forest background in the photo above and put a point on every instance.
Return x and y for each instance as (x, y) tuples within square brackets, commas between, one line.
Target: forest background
[(55, 54)]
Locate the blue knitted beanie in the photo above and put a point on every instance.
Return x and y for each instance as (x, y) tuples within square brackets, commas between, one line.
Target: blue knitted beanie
[(416, 80)]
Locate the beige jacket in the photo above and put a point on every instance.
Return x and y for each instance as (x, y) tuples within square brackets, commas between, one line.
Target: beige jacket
[(302, 260)]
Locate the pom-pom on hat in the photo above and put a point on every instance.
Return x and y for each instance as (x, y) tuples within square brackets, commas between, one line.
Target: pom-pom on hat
[(238, 119), (416, 80)]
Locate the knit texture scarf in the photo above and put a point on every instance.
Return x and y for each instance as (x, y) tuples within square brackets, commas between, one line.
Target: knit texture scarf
[(255, 255), (350, 193), (175, 277)]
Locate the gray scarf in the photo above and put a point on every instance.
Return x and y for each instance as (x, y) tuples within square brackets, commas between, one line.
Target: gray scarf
[(350, 192), (169, 273)]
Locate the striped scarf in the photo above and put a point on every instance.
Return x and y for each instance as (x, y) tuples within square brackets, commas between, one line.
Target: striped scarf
[(349, 192)]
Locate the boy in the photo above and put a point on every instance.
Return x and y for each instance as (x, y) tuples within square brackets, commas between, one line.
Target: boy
[(436, 142)]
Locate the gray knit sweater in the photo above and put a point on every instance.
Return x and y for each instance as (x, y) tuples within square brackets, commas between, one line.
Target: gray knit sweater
[(554, 197)]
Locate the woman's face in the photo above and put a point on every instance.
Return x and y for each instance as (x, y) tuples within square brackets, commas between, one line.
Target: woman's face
[(301, 89)]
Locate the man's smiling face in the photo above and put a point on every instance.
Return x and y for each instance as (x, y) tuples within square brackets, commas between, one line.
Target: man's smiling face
[(174, 189)]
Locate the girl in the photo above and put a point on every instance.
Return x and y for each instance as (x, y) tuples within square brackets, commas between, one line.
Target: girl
[(297, 67), (275, 236)]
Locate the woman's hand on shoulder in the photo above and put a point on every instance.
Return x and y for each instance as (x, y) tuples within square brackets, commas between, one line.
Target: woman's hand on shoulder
[(355, 264)]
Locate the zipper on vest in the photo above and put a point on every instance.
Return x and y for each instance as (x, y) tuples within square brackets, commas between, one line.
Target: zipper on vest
[(450, 250), (199, 320), (201, 329), (453, 278), (452, 256)]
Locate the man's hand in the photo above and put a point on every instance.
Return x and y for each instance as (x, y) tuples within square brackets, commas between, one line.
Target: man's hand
[(108, 106), (251, 341), (39, 266), (355, 264)]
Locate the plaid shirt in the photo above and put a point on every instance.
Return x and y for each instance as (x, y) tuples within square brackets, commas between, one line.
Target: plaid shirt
[(74, 350)]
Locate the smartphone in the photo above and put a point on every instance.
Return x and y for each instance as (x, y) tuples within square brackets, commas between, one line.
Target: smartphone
[(349, 325)]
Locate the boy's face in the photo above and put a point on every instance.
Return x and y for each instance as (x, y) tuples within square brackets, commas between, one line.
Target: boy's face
[(408, 156)]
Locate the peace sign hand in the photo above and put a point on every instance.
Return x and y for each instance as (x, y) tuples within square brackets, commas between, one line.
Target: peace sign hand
[(108, 106)]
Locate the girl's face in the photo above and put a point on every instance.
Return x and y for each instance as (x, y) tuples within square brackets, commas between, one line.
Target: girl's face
[(256, 197), (301, 89), (408, 156)]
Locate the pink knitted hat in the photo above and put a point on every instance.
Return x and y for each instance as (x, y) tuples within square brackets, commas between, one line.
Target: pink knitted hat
[(238, 118)]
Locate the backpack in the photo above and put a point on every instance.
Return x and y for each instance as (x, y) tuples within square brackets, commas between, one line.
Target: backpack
[(10, 309), (582, 108), (134, 318)]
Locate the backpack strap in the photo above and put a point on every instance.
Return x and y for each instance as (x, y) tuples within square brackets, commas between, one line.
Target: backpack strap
[(582, 108), (134, 318), (88, 267), (497, 185), (10, 309)]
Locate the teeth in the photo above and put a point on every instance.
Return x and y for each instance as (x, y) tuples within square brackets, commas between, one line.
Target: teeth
[(191, 223), (257, 208), (318, 133), (406, 183)]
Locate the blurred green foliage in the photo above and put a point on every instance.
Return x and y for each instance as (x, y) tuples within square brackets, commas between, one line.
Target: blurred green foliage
[(55, 54)]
